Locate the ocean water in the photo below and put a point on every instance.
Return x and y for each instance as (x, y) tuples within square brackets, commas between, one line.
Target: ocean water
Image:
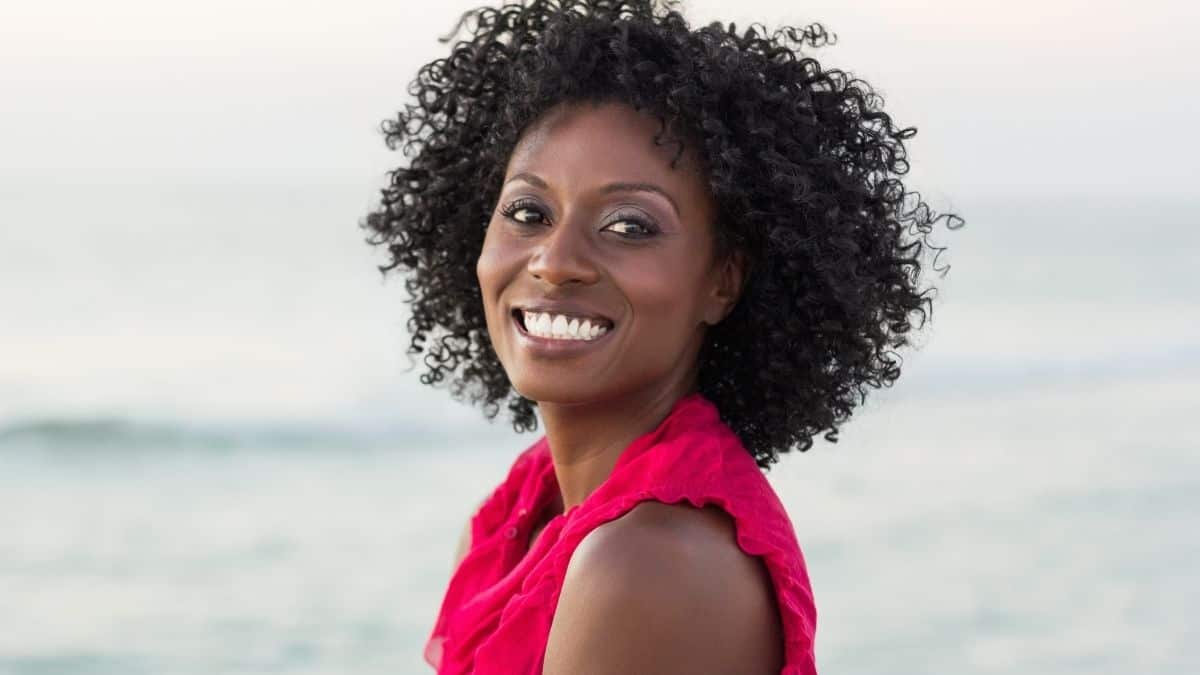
[(213, 460)]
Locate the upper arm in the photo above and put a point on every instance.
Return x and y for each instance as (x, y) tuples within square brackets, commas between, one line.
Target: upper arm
[(464, 539), (646, 599), (464, 544)]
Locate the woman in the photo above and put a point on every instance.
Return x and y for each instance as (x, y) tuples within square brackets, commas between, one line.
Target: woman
[(690, 252)]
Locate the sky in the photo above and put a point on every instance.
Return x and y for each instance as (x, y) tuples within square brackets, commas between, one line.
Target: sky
[(1030, 96)]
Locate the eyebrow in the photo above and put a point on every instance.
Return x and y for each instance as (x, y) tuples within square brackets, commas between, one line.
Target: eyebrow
[(607, 189)]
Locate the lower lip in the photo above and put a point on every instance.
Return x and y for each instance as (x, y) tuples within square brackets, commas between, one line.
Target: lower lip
[(553, 347)]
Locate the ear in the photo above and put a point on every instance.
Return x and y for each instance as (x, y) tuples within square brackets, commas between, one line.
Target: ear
[(730, 277)]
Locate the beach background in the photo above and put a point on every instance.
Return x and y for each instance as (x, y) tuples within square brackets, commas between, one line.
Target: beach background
[(214, 459)]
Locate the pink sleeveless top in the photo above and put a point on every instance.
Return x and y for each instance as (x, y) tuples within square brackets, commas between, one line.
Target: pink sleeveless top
[(496, 614)]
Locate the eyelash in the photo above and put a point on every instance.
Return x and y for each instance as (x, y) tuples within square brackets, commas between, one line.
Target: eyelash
[(650, 227), (511, 209)]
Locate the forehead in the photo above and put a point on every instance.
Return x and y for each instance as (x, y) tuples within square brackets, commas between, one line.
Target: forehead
[(582, 144)]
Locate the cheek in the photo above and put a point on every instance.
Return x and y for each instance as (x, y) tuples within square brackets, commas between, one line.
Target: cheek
[(665, 294), (490, 267), (495, 269)]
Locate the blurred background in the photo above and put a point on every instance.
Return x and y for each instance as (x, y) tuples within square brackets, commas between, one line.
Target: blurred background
[(213, 458)]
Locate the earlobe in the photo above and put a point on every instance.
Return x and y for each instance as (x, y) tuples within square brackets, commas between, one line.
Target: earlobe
[(728, 289)]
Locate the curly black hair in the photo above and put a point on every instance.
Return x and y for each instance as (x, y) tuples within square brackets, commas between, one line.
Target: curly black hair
[(802, 162)]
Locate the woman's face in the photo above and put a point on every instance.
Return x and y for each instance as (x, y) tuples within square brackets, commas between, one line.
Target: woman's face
[(597, 273)]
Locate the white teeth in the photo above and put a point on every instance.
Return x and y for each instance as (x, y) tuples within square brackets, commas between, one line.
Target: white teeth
[(560, 327)]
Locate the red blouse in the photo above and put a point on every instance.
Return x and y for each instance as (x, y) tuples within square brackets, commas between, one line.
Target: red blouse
[(496, 614)]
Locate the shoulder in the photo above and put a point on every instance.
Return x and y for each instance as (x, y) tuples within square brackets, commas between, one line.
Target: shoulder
[(665, 589)]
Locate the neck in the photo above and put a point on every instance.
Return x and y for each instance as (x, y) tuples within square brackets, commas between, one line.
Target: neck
[(586, 440)]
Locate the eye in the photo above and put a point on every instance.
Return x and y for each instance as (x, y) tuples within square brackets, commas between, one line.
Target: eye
[(632, 226), (524, 211)]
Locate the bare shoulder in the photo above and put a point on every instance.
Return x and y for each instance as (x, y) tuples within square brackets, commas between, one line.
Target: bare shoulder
[(665, 589)]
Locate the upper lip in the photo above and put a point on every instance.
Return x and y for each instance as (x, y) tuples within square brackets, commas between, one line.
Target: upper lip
[(569, 309)]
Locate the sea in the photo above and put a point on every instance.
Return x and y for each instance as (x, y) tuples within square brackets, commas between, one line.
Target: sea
[(215, 456)]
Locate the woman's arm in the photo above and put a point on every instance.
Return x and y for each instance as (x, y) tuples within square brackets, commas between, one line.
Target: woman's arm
[(464, 545), (464, 539), (682, 599)]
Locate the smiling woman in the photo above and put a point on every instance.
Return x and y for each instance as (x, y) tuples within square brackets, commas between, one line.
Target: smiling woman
[(690, 252)]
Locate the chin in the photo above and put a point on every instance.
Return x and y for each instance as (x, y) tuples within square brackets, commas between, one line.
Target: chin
[(553, 388), (561, 392)]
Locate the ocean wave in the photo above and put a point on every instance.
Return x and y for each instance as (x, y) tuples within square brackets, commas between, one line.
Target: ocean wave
[(112, 432)]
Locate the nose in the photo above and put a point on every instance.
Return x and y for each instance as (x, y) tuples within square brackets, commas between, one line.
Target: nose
[(564, 255)]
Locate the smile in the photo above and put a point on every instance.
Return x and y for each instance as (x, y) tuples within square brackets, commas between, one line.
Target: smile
[(562, 326)]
